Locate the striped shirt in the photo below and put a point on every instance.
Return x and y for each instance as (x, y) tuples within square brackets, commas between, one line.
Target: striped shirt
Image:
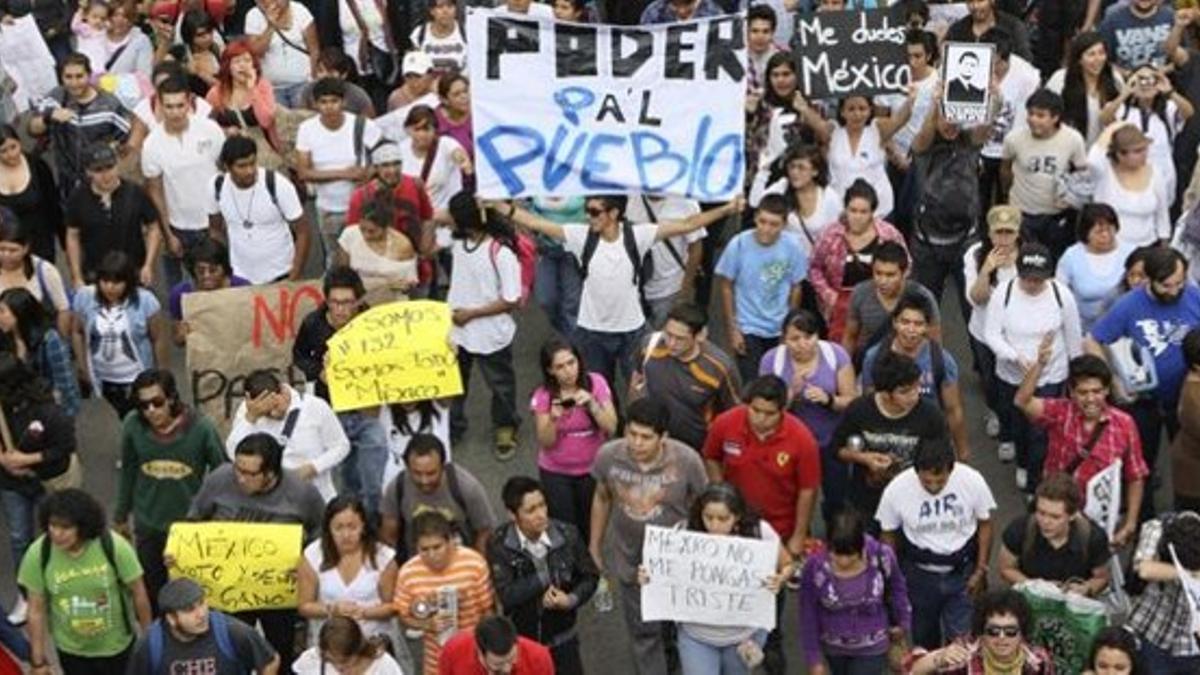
[(101, 120), (694, 391), (468, 572)]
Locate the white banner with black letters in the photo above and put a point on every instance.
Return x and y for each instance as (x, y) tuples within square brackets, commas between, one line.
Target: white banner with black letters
[(570, 109)]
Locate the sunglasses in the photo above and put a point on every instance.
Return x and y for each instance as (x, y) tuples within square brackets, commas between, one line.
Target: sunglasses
[(1006, 631), (594, 211), (149, 403)]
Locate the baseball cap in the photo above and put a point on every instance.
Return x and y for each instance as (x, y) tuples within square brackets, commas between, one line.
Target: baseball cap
[(386, 153), (101, 156), (1004, 217), (179, 594), (1034, 261), (416, 62)]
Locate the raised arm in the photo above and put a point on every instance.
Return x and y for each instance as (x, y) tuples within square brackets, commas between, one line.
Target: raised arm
[(673, 228), (530, 221)]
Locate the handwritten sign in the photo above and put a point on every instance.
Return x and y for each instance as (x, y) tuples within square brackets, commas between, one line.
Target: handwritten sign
[(851, 52), (242, 566), (1102, 500), (569, 109), (394, 353), (711, 579), (235, 331)]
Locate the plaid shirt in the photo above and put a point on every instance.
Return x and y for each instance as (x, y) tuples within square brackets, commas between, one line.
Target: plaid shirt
[(53, 362), (1063, 421), (1160, 614)]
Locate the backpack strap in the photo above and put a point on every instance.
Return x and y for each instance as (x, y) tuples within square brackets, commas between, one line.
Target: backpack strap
[(219, 624), (627, 238), (289, 423), (1057, 293), (1031, 531), (217, 185), (590, 242), (937, 360), (456, 491), (271, 181), (675, 255), (106, 545), (828, 354), (360, 128), (427, 165), (1008, 292), (779, 361)]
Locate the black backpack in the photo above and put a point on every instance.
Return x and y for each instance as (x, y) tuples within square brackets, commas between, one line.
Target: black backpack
[(947, 207), (643, 265), (268, 178)]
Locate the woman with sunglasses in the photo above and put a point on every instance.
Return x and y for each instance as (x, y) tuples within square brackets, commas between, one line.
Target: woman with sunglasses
[(998, 647)]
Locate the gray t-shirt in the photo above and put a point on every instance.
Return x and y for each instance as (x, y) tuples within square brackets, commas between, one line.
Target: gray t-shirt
[(290, 501), (655, 495), (477, 514), (869, 312), (202, 655), (1037, 163)]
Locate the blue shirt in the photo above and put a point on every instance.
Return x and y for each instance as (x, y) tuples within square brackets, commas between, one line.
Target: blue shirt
[(924, 362), (660, 11), (762, 278), (1134, 42), (1160, 327), (1094, 292)]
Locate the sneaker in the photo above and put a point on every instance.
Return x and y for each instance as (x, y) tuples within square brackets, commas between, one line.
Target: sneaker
[(19, 611), (506, 443), (1007, 452), (991, 425), (1022, 478)]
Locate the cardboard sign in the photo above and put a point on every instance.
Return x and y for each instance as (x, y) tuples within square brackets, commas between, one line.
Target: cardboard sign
[(242, 566), (235, 331), (394, 353), (1102, 501), (711, 579), (570, 109), (851, 52), (966, 80)]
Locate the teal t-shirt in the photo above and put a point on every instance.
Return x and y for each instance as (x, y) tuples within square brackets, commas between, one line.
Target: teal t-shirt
[(84, 596)]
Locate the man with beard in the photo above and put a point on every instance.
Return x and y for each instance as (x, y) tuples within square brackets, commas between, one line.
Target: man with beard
[(191, 638), (1156, 317), (1085, 435)]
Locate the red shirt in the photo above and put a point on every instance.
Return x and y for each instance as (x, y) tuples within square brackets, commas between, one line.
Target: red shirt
[(770, 472), (1063, 422), (407, 191), (460, 656)]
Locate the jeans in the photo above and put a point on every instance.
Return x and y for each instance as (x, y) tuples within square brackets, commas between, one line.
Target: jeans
[(150, 546), (933, 263), (1151, 418), (557, 287), (19, 510), (279, 627), (1157, 660), (497, 369), (701, 658), (756, 346), (835, 484), (985, 367), (569, 498), (119, 397), (360, 471), (331, 225), (288, 95), (941, 608), (646, 637), (566, 658), (172, 266), (1029, 439), (13, 639), (857, 665), (94, 665), (1053, 231), (608, 353)]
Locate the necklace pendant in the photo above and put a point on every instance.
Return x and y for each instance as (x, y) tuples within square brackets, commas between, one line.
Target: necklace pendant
[(247, 224)]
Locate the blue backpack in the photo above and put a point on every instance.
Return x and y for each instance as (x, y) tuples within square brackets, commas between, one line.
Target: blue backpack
[(218, 624)]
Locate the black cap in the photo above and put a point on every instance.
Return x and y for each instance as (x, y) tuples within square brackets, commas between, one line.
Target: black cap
[(1035, 262), (101, 156), (179, 594)]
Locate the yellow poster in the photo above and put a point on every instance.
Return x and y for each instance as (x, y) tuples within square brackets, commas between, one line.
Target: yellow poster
[(242, 566), (393, 353)]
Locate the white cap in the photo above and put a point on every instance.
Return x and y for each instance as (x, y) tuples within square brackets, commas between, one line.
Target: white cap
[(386, 153), (416, 62)]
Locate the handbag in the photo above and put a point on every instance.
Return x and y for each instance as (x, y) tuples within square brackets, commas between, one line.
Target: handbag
[(70, 479), (1073, 189)]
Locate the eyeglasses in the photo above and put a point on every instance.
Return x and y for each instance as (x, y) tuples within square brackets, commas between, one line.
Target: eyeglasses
[(992, 630), (148, 403), (594, 211)]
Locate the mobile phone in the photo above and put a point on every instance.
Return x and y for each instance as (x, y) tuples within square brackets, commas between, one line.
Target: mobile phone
[(567, 402)]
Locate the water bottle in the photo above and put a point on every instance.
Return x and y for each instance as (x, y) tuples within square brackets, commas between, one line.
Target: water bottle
[(603, 601)]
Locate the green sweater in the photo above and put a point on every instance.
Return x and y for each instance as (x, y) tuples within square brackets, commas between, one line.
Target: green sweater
[(159, 477)]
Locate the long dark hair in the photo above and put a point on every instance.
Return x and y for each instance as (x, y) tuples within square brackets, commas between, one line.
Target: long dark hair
[(468, 217), (329, 553), (428, 411), (1074, 93), (11, 230), (748, 522), (553, 346), (20, 385), (777, 60), (32, 322), (117, 266)]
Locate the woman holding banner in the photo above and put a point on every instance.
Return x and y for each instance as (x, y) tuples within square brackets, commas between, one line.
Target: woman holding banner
[(842, 255), (725, 650)]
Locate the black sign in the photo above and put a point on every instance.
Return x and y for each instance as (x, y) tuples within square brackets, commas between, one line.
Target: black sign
[(842, 53)]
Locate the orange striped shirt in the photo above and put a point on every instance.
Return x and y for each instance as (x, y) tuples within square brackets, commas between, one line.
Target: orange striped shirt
[(468, 572)]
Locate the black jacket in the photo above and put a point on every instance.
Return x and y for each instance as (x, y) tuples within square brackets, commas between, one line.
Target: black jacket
[(570, 568)]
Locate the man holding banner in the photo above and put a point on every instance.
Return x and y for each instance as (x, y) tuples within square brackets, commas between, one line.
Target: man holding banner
[(1086, 434)]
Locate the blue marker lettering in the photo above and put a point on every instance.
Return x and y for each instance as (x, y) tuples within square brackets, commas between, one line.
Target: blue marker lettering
[(734, 143), (553, 171), (594, 167), (505, 168), (643, 157), (572, 99)]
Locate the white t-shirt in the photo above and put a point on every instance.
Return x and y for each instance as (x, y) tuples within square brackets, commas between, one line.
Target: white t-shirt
[(449, 53), (184, 162), (316, 439), (350, 33), (362, 590), (1014, 329), (668, 274), (144, 111), (479, 277), (261, 246), (922, 107), (1021, 80), (941, 523), (391, 124), (609, 301), (311, 663), (282, 63), (444, 179), (334, 149), (1144, 214)]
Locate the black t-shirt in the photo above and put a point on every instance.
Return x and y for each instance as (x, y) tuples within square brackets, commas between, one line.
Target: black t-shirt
[(114, 228), (203, 655), (897, 437), (1075, 560)]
